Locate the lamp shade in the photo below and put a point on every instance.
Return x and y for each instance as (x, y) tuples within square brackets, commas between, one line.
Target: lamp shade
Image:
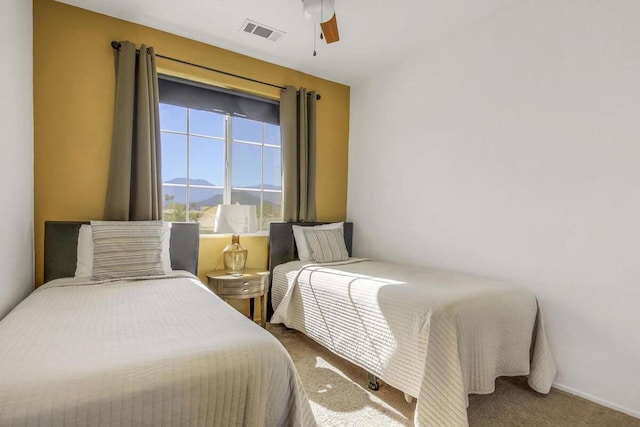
[(318, 11), (236, 219)]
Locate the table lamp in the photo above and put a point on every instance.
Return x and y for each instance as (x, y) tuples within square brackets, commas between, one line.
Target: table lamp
[(235, 220)]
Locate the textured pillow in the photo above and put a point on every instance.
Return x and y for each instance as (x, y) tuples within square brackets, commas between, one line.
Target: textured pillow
[(126, 249), (304, 253), (84, 263), (326, 245)]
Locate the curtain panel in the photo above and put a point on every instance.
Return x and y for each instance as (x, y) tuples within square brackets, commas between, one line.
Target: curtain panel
[(134, 190), (298, 134)]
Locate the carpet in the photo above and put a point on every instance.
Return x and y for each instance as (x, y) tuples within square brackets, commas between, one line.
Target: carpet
[(339, 396)]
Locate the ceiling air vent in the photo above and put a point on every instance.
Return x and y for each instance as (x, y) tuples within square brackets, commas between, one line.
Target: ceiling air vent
[(261, 30)]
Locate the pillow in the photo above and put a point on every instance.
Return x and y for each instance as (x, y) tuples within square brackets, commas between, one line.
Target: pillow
[(84, 263), (126, 249), (166, 247), (304, 253), (326, 245)]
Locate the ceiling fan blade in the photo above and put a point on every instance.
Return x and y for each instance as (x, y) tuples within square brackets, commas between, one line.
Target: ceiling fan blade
[(330, 30)]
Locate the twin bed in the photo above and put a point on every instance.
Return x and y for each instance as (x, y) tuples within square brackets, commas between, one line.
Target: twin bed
[(161, 351), (435, 335), (164, 350)]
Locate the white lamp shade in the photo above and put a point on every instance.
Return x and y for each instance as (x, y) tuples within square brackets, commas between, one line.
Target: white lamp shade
[(236, 219), (318, 11)]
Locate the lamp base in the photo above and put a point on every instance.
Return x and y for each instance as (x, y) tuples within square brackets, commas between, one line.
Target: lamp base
[(234, 257)]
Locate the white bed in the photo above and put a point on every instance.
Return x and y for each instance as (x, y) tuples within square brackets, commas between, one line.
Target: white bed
[(160, 351), (435, 335)]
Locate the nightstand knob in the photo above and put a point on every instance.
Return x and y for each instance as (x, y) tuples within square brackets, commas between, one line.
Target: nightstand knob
[(246, 283)]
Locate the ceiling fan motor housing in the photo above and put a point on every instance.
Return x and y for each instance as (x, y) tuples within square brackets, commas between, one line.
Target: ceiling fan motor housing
[(318, 11)]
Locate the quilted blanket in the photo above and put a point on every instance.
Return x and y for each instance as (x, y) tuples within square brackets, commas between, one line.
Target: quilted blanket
[(433, 334), (161, 352)]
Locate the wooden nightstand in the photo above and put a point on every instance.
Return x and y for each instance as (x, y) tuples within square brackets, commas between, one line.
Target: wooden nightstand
[(252, 284)]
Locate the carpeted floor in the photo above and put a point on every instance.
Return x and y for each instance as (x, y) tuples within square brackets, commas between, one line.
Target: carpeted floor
[(339, 396)]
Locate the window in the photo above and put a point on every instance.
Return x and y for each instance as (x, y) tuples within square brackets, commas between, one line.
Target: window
[(218, 147)]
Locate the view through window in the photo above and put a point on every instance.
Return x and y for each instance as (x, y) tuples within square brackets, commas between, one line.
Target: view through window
[(214, 157)]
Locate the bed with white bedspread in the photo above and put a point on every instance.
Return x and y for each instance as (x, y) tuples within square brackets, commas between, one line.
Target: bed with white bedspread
[(161, 351), (433, 334)]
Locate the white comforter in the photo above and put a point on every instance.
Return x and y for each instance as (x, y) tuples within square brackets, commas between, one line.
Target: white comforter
[(433, 334), (162, 352)]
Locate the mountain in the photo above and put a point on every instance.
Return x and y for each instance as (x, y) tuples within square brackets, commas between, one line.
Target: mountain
[(269, 187), (214, 196), (211, 201), (197, 194), (244, 198), (191, 181), (183, 181)]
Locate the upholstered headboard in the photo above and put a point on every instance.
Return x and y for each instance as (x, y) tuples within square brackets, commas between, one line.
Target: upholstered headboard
[(61, 244), (282, 247)]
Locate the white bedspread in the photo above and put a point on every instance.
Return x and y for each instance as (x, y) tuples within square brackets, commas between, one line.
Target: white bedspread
[(162, 352), (433, 334)]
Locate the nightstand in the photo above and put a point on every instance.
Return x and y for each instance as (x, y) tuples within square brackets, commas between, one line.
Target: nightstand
[(253, 283)]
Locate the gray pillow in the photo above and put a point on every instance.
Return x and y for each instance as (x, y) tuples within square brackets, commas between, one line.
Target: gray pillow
[(126, 249), (326, 245)]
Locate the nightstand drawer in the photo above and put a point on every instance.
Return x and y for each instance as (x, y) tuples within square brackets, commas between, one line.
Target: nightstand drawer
[(241, 287)]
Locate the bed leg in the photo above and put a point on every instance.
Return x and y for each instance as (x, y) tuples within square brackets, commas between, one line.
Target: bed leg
[(373, 381), (408, 398)]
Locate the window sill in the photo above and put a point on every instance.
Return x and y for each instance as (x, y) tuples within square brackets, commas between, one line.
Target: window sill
[(227, 236)]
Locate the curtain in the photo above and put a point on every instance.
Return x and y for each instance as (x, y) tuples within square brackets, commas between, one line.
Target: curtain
[(298, 133), (134, 190)]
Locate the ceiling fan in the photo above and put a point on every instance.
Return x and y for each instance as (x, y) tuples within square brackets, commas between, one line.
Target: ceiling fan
[(323, 12)]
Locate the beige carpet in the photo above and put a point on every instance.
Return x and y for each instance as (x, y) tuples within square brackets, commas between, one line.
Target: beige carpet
[(339, 396)]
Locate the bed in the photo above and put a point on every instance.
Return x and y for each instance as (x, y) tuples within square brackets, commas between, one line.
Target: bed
[(436, 335), (161, 351)]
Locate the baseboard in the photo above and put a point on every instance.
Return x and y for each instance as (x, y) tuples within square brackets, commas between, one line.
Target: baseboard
[(597, 400)]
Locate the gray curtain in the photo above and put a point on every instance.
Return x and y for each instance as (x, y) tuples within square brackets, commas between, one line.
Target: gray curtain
[(134, 191), (298, 133)]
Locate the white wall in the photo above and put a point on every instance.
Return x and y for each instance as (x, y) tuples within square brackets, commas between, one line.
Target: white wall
[(512, 150), (16, 153)]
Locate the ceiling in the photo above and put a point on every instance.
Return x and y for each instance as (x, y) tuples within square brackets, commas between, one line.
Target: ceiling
[(374, 34)]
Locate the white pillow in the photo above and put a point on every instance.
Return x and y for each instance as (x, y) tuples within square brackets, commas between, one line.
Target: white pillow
[(84, 263), (166, 247), (304, 252)]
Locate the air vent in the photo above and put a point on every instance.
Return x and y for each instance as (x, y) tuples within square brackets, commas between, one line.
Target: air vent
[(261, 30)]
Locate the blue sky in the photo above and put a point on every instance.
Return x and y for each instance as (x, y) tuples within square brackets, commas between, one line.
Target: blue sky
[(207, 155)]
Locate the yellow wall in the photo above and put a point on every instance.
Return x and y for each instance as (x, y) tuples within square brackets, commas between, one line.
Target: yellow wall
[(74, 88)]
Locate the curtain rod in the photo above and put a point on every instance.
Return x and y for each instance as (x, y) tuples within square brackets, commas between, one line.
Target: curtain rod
[(116, 45)]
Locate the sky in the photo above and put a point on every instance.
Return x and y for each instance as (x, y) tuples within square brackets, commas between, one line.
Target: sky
[(206, 156)]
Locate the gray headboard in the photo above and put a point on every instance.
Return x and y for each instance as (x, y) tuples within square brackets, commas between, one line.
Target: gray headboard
[(282, 247), (61, 244)]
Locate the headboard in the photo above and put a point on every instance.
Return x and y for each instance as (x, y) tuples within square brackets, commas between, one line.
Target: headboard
[(282, 247), (61, 245)]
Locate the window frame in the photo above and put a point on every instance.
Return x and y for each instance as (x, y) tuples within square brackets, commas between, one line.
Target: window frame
[(227, 188)]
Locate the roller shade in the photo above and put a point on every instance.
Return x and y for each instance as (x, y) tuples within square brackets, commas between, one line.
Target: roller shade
[(199, 96)]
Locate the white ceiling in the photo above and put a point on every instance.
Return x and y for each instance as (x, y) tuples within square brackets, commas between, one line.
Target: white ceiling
[(373, 33)]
